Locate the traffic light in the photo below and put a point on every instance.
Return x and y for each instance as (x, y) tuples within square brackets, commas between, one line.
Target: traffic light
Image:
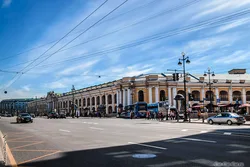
[(174, 77), (177, 77), (190, 97)]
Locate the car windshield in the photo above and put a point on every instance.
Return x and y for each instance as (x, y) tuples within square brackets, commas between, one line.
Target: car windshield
[(24, 114)]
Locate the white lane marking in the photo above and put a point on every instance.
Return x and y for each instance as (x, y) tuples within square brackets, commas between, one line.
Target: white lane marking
[(62, 130), (96, 128), (123, 156), (169, 164), (203, 162), (118, 153), (239, 146), (146, 145), (184, 130), (203, 131), (90, 123), (227, 133), (193, 139), (237, 151)]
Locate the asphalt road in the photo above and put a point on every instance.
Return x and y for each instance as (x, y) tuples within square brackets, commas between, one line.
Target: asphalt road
[(125, 143)]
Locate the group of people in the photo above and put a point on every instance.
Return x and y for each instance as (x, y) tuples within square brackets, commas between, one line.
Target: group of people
[(154, 115)]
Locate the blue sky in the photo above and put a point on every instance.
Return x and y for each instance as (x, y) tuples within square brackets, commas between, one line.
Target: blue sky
[(119, 45)]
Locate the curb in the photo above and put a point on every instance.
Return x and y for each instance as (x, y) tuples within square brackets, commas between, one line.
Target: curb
[(2, 162)]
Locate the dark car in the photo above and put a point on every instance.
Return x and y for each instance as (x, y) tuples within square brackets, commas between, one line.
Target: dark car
[(53, 115), (24, 117), (62, 115)]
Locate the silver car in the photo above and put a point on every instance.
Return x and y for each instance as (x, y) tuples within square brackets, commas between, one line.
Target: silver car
[(226, 117)]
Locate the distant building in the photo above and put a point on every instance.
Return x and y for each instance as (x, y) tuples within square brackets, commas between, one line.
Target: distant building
[(13, 106)]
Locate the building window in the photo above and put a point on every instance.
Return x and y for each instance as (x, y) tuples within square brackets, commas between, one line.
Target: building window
[(236, 95), (210, 95), (162, 95), (98, 100), (88, 102), (109, 99), (115, 98), (110, 109), (181, 92), (84, 102), (76, 102), (140, 96), (103, 99), (248, 95), (223, 95), (93, 100), (80, 102), (196, 95)]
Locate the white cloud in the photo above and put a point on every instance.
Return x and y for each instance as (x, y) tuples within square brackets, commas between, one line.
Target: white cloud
[(26, 87), (236, 57), (233, 25), (6, 3)]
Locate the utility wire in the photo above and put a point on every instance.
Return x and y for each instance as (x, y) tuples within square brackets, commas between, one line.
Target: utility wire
[(106, 20), (13, 80)]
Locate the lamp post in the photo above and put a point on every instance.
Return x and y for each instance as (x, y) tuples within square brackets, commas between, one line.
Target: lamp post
[(73, 100), (209, 73), (183, 61)]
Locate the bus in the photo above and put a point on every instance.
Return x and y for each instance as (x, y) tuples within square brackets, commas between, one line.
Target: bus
[(157, 107), (140, 109)]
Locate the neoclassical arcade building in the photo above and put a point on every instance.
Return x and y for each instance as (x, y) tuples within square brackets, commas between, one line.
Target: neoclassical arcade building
[(230, 88)]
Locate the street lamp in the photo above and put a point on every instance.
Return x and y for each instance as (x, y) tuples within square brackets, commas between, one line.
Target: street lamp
[(209, 73), (183, 62)]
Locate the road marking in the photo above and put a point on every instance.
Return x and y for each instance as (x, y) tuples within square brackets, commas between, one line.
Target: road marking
[(123, 156), (27, 145), (62, 130), (203, 162), (193, 139), (20, 138), (11, 158), (203, 131), (227, 133), (146, 145), (117, 153), (184, 130), (38, 157), (96, 128), (239, 146), (169, 164), (237, 151)]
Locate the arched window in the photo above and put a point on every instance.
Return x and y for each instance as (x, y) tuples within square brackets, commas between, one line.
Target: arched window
[(210, 94), (248, 95), (115, 98), (181, 92), (236, 95), (103, 99), (109, 99), (84, 102), (162, 95), (196, 95), (140, 96), (80, 102), (98, 100), (76, 102), (88, 102), (223, 95), (110, 109), (93, 100)]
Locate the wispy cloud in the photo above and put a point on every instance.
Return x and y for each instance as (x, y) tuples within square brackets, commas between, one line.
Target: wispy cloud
[(236, 57), (6, 3), (235, 24)]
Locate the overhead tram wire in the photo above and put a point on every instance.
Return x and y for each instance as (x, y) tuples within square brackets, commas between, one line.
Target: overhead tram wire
[(190, 28), (176, 8), (106, 20), (76, 37), (17, 77)]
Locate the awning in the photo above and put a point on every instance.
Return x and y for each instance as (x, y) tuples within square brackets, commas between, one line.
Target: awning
[(244, 105), (196, 106)]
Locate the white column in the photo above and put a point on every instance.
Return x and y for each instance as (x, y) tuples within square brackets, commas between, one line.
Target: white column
[(150, 94), (128, 97), (169, 97), (230, 95), (117, 100), (106, 103), (174, 94), (189, 90), (120, 97), (124, 98), (217, 93), (100, 99), (244, 99), (202, 93), (113, 102), (157, 94)]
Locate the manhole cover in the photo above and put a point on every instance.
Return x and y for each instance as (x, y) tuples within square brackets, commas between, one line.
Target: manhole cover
[(144, 156)]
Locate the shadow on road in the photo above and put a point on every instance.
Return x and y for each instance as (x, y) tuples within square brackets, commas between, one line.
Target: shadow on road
[(204, 149)]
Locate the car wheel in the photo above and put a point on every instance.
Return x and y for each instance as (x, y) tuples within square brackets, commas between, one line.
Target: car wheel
[(238, 123), (31, 121), (210, 122), (229, 122)]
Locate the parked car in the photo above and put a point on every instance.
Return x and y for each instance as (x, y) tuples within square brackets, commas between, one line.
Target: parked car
[(24, 117), (62, 115), (53, 115), (124, 115), (226, 117)]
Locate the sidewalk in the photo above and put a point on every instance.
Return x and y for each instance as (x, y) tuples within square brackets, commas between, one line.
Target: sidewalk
[(2, 164)]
